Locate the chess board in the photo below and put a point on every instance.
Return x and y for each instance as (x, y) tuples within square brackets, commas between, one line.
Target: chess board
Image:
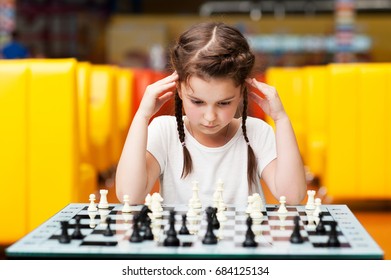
[(272, 234)]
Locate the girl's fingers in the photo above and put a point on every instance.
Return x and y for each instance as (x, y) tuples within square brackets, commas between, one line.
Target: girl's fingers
[(168, 79)]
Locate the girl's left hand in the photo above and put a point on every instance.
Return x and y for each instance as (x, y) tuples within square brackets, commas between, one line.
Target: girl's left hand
[(271, 104)]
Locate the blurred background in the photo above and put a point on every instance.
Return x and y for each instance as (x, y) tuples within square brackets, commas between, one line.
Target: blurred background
[(72, 73)]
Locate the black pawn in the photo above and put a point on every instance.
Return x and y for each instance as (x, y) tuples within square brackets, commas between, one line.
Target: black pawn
[(320, 228), (77, 232), (296, 237), (108, 231), (184, 230), (135, 237), (171, 239), (210, 237), (250, 236), (148, 235), (333, 236), (64, 237)]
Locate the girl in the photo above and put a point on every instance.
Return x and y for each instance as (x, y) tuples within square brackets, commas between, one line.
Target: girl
[(205, 141)]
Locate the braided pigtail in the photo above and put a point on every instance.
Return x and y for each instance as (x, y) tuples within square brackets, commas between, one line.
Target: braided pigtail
[(251, 160), (187, 162)]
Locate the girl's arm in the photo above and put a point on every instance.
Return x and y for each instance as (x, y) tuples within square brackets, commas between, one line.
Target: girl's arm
[(138, 170), (285, 175)]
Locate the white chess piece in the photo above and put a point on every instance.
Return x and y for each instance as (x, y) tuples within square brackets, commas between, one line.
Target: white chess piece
[(256, 213), (103, 204), (310, 202), (156, 205), (92, 207), (92, 215), (318, 203), (148, 200), (250, 200), (195, 201), (282, 209), (126, 208)]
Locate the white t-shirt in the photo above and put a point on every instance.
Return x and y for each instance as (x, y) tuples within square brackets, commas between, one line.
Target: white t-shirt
[(228, 163)]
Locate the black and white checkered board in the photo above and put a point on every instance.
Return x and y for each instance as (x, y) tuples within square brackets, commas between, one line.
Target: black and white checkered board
[(272, 234)]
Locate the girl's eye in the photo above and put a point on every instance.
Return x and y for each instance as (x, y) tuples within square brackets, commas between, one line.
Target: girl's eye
[(226, 103), (197, 102)]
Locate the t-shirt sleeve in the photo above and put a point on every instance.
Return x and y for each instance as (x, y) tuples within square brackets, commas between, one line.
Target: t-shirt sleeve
[(264, 143), (157, 140)]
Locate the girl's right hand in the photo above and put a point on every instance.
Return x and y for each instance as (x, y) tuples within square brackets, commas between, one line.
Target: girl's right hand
[(156, 95)]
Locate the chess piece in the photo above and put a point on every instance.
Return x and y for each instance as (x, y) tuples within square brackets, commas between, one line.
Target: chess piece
[(171, 239), (195, 201), (108, 231), (64, 237), (250, 236), (92, 219), (210, 237), (311, 200), (320, 228), (135, 237), (296, 237), (148, 235), (126, 208), (92, 207), (77, 232), (333, 236), (215, 221), (282, 209), (103, 204), (184, 230)]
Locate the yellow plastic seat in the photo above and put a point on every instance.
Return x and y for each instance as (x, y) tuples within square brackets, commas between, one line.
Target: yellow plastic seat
[(13, 150), (103, 128), (315, 92)]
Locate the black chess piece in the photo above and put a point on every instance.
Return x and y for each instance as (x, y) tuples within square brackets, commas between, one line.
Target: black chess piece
[(64, 237), (320, 228), (148, 235), (184, 230), (333, 236), (142, 217), (108, 231), (215, 221), (77, 232), (210, 237), (296, 237), (249, 241), (135, 237), (171, 239)]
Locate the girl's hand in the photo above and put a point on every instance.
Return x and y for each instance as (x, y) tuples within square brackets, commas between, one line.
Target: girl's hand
[(156, 95), (271, 103)]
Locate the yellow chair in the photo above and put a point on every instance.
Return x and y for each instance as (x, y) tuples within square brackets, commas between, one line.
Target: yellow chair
[(125, 85), (289, 83), (102, 116), (13, 150), (315, 93), (373, 164), (342, 131)]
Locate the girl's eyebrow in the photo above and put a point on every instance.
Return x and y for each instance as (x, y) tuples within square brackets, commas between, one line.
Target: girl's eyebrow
[(198, 99)]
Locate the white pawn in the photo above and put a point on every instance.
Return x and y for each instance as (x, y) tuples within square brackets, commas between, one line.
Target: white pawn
[(92, 207), (92, 219), (156, 205), (282, 209), (126, 208), (311, 200), (103, 204)]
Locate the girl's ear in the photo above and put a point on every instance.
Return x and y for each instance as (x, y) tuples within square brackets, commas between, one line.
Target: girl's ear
[(178, 88)]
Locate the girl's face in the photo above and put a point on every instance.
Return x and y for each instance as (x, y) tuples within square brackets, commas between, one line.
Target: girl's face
[(210, 105)]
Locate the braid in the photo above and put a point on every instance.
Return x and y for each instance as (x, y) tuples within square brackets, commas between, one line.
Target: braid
[(251, 161), (187, 162)]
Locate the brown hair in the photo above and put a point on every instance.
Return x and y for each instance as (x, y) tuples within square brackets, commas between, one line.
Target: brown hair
[(213, 50)]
